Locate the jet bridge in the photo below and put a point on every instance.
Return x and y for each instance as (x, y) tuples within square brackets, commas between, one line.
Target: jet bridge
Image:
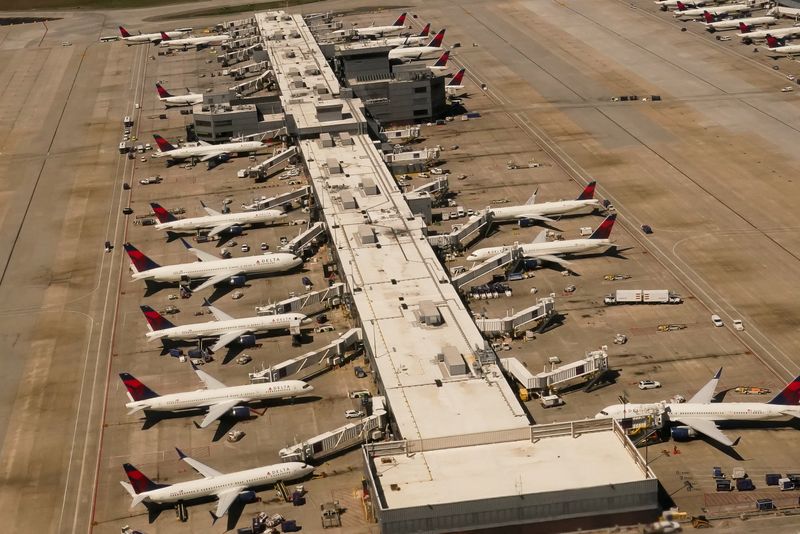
[(305, 239), (268, 167), (254, 85), (329, 295), (437, 188), (244, 70), (495, 262), (273, 202), (513, 325), (339, 439), (546, 382), (311, 363), (465, 234)]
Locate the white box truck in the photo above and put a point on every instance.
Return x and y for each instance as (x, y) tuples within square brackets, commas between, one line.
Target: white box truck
[(639, 296)]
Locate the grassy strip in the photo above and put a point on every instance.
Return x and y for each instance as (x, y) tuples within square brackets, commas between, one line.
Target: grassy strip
[(229, 10), (24, 5)]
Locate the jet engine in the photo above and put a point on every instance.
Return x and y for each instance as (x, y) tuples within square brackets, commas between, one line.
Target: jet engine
[(247, 340), (239, 412), (238, 280), (683, 433), (236, 229), (247, 497)]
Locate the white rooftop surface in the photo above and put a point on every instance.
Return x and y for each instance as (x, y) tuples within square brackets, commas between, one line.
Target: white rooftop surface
[(518, 468)]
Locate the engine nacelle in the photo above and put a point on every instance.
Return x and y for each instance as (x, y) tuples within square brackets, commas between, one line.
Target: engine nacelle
[(236, 230), (247, 497), (239, 412), (530, 264), (683, 433), (238, 280), (247, 340)]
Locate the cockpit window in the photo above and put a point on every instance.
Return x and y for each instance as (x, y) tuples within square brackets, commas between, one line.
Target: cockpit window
[(306, 386), (603, 412)]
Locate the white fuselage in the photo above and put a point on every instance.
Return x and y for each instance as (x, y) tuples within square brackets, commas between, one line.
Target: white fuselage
[(261, 264), (145, 38), (210, 221), (775, 32), (208, 397), (718, 411), (732, 24), (377, 31), (718, 10), (788, 50), (210, 486), (411, 53), (545, 209), (551, 248), (182, 100), (198, 151), (253, 325), (411, 40), (782, 11), (674, 3), (210, 40)]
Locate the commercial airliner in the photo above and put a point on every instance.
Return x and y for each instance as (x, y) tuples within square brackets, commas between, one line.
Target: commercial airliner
[(747, 33), (229, 223), (376, 31), (541, 249), (206, 151), (224, 327), (227, 488), (221, 400), (147, 38), (214, 270), (170, 100), (542, 212), (698, 414), (684, 12), (411, 39), (457, 82), (203, 41), (777, 48), (410, 53), (441, 63), (714, 24)]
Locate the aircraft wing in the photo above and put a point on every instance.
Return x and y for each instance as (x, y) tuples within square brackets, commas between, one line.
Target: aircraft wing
[(531, 201), (216, 411), (209, 211), (219, 315), (208, 380), (212, 155), (535, 217), (200, 467), (708, 428), (227, 339), (553, 259), (220, 228), (226, 499), (706, 393), (541, 238), (202, 256), (216, 279)]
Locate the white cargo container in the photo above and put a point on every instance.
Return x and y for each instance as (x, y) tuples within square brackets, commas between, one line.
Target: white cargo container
[(645, 296)]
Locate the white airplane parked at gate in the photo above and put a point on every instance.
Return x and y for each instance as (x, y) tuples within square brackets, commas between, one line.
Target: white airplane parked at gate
[(747, 33), (411, 40), (699, 414), (783, 11), (214, 270), (170, 100), (714, 24), (198, 42), (457, 82), (666, 4), (227, 488), (410, 53), (224, 327), (543, 250), (542, 212), (230, 223), (684, 12), (777, 48), (147, 38), (376, 31), (221, 400), (206, 151)]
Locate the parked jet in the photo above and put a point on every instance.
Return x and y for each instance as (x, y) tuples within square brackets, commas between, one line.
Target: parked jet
[(170, 100), (777, 47), (543, 250), (457, 82), (783, 11), (221, 400), (714, 24), (224, 327), (685, 12), (410, 53), (666, 4), (441, 63), (199, 42), (225, 487), (147, 38), (541, 212), (211, 268), (229, 223), (376, 31), (746, 33), (411, 40), (206, 151), (699, 414)]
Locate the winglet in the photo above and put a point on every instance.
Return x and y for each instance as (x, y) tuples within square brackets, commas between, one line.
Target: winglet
[(180, 453), (736, 442), (187, 245), (213, 518), (719, 374), (206, 303), (202, 203)]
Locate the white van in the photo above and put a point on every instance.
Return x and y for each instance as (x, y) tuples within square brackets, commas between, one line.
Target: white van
[(549, 401), (460, 211)]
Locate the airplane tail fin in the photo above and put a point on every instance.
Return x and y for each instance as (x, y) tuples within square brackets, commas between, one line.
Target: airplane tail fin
[(136, 390), (401, 20), (790, 396), (744, 28), (165, 37), (681, 6), (124, 32), (139, 261), (588, 191), (162, 143), (774, 42), (709, 18), (162, 215), (139, 482), (458, 79), (426, 30), (155, 321), (163, 93), (437, 40), (442, 61), (604, 230)]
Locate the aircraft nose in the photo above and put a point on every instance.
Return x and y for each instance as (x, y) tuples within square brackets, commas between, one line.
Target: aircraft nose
[(305, 320)]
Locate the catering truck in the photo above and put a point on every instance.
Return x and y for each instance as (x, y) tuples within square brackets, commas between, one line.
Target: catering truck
[(642, 296)]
